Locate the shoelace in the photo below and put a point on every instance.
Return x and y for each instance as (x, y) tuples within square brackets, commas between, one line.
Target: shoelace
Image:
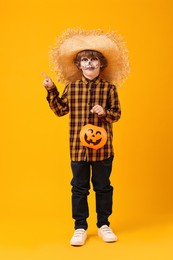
[(79, 233), (107, 230)]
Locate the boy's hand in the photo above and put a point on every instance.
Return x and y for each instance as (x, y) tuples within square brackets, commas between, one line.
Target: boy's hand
[(47, 83), (98, 110)]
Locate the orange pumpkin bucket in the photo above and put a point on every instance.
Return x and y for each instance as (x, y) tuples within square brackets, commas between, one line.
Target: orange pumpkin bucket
[(93, 136)]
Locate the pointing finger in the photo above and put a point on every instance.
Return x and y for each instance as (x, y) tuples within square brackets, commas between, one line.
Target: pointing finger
[(44, 75)]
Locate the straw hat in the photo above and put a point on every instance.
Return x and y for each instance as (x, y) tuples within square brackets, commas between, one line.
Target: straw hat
[(72, 41)]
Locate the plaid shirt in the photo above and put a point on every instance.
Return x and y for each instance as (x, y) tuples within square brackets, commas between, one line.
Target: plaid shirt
[(78, 99)]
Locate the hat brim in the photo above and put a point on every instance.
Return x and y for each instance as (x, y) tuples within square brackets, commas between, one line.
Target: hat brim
[(67, 46)]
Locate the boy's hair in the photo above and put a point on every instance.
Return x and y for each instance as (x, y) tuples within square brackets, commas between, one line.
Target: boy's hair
[(91, 54)]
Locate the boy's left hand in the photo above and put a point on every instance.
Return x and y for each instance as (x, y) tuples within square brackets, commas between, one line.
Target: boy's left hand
[(98, 110)]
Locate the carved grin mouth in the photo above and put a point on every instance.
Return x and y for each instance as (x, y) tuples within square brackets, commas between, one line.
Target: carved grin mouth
[(90, 141)]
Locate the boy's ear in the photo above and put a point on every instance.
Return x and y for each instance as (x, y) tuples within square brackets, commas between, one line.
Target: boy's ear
[(77, 65)]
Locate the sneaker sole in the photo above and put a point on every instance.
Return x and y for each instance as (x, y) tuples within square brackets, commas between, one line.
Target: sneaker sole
[(78, 243), (108, 240)]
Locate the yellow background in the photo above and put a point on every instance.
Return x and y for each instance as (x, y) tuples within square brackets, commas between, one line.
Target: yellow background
[(35, 196)]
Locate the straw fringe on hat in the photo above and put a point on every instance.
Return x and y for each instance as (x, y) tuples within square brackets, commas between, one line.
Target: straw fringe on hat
[(72, 41)]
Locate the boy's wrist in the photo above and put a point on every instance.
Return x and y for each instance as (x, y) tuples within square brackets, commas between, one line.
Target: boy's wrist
[(103, 115), (50, 88)]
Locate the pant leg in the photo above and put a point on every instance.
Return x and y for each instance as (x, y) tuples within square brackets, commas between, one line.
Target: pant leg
[(80, 190), (101, 171)]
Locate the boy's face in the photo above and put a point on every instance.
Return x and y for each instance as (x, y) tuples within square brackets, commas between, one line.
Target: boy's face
[(90, 67)]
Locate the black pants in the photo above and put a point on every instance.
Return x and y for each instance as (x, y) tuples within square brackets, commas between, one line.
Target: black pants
[(101, 171)]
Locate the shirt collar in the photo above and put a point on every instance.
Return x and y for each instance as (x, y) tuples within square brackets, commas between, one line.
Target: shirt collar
[(95, 80)]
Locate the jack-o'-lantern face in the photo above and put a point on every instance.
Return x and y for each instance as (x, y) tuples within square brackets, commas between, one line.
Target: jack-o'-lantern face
[(93, 136)]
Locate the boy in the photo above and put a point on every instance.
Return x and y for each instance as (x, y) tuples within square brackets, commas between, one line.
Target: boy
[(89, 99)]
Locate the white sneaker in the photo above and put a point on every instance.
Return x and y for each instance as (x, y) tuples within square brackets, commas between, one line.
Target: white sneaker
[(79, 237), (107, 234)]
